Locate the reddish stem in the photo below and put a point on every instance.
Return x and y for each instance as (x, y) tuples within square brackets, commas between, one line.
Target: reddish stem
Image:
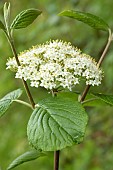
[(56, 160)]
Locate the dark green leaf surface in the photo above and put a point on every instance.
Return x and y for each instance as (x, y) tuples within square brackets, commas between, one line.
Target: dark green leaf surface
[(71, 95), (56, 124), (25, 18), (27, 156), (6, 101), (87, 18), (106, 98)]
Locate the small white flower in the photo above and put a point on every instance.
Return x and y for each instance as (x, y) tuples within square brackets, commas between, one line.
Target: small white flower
[(55, 64), (34, 84)]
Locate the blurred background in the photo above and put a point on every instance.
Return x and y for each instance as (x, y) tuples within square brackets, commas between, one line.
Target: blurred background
[(96, 152)]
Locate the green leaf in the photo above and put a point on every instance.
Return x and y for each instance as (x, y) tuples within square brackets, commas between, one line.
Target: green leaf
[(57, 123), (106, 98), (2, 26), (27, 156), (7, 100), (25, 18), (73, 96), (87, 18), (7, 14)]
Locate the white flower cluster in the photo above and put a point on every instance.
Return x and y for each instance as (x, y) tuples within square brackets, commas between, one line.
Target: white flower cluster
[(56, 64)]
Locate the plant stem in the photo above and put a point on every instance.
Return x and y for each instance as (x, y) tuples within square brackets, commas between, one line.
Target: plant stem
[(110, 39), (56, 160), (89, 100), (85, 93), (24, 103), (11, 42), (56, 153)]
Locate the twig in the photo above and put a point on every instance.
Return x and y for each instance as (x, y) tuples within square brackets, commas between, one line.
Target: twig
[(110, 39), (11, 42), (56, 160), (85, 93)]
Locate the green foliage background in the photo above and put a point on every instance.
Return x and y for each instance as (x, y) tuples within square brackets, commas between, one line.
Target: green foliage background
[(96, 152)]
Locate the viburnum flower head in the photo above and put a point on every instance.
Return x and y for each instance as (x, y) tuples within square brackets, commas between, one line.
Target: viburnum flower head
[(56, 64)]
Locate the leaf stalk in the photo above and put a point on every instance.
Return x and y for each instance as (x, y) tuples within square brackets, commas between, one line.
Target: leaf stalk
[(24, 103)]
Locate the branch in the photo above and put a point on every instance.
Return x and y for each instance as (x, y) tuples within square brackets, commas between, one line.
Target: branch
[(110, 39), (11, 42)]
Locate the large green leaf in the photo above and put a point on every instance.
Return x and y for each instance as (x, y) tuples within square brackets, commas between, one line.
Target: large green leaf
[(25, 18), (27, 156), (87, 18), (6, 101), (106, 98), (56, 124)]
